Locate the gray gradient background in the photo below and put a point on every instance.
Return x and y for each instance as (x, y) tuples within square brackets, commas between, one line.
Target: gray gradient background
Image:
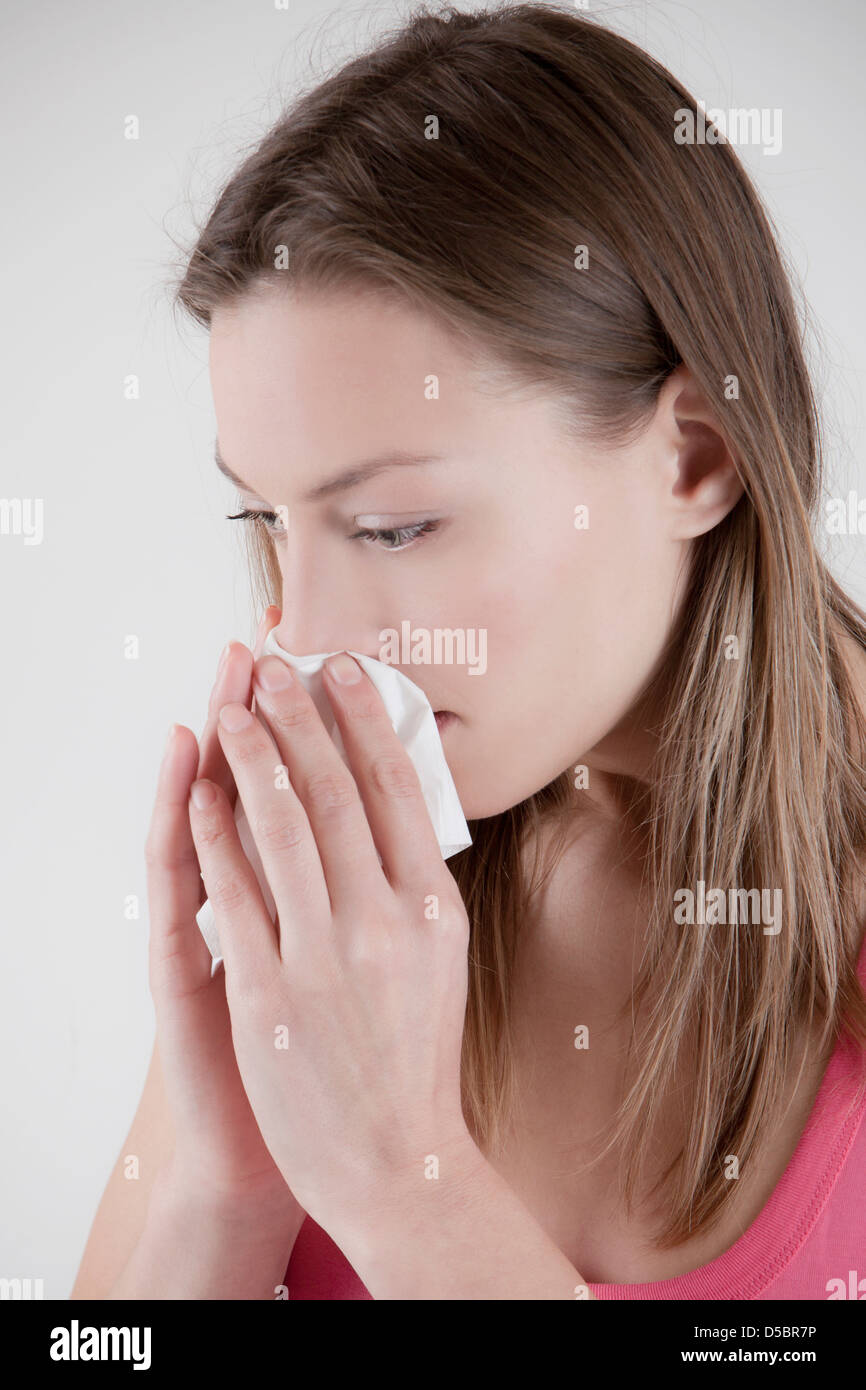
[(134, 538)]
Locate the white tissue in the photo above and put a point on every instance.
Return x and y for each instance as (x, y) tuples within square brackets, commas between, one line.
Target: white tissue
[(413, 720)]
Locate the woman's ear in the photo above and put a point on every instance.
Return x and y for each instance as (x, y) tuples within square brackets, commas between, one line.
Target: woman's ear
[(703, 481)]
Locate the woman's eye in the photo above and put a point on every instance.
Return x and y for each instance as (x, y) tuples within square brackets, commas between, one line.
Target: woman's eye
[(394, 537), (384, 538), (270, 521)]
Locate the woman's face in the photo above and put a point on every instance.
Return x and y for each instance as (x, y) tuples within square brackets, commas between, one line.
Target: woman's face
[(552, 629)]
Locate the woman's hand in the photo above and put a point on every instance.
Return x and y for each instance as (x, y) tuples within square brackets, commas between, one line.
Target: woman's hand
[(347, 1016), (219, 1151)]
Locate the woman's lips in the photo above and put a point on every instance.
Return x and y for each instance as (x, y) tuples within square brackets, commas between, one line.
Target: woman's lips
[(443, 717)]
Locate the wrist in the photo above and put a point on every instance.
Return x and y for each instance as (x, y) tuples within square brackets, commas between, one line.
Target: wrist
[(196, 1244), (414, 1188), (463, 1235), (269, 1209)]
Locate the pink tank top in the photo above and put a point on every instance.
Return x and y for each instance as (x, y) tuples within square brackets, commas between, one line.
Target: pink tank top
[(809, 1241)]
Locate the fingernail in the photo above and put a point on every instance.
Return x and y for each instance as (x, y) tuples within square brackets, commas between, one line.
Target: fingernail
[(273, 674), (234, 717), (344, 669), (202, 794)]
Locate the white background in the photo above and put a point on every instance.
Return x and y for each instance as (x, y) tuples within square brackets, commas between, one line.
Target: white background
[(134, 540)]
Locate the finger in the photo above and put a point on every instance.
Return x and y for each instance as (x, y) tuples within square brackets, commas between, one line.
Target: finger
[(232, 684), (323, 783), (270, 619), (246, 932), (179, 960), (277, 820), (386, 778)]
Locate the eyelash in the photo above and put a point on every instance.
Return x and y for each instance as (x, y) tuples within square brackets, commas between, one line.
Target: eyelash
[(420, 528)]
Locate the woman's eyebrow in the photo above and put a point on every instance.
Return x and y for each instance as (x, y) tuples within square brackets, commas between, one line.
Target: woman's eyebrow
[(349, 478), (228, 472)]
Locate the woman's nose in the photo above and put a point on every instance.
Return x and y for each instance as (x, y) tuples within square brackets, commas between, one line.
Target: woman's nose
[(303, 646), (303, 632), (324, 608), (318, 605)]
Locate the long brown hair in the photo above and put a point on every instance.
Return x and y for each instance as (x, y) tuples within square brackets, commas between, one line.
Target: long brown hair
[(461, 164)]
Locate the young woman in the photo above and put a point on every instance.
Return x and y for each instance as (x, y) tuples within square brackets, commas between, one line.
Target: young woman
[(495, 350)]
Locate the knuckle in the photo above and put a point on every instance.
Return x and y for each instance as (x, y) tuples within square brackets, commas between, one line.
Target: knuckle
[(245, 991), (228, 889), (160, 855), (245, 751), (313, 981), (273, 831), (328, 791), (370, 949), (367, 709), (394, 776), (451, 906), (211, 833), (168, 971), (453, 923), (293, 713), (451, 917)]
